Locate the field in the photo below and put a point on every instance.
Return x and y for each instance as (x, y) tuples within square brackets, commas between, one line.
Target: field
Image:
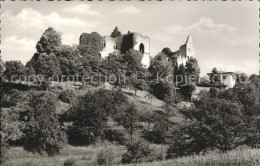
[(86, 156)]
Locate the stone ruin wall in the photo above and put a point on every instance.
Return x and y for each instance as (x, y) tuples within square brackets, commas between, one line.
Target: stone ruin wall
[(145, 40), (111, 45)]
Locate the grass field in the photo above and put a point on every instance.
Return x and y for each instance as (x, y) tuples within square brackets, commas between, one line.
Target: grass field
[(86, 156), (237, 157)]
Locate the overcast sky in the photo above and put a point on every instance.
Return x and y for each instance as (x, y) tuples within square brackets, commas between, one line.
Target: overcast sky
[(225, 34)]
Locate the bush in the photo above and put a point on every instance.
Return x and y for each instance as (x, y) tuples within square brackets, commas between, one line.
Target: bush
[(11, 98), (142, 85), (69, 162), (162, 90), (186, 90), (114, 136), (152, 136), (105, 157), (67, 95), (137, 151)]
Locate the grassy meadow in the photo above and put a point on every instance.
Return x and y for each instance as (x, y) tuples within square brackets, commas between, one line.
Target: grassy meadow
[(87, 156)]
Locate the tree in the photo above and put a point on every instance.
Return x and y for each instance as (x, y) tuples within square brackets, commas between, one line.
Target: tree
[(70, 61), (181, 75), (214, 76), (13, 68), (1, 66), (214, 123), (47, 65), (186, 90), (192, 69), (45, 61), (248, 96), (241, 78), (180, 144), (90, 114), (160, 67), (42, 132), (129, 118), (161, 126), (116, 33), (133, 59), (49, 41)]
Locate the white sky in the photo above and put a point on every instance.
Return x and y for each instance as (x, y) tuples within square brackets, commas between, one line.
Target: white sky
[(225, 34)]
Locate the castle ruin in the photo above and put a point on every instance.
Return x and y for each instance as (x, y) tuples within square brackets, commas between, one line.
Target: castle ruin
[(131, 40), (185, 52), (118, 42)]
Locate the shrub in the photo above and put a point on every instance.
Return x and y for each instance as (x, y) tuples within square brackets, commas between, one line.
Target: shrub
[(114, 136), (69, 162), (162, 90), (137, 151), (186, 90), (67, 95), (105, 157), (142, 85), (11, 98)]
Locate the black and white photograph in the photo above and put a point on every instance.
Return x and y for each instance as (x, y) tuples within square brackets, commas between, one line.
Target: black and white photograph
[(130, 83)]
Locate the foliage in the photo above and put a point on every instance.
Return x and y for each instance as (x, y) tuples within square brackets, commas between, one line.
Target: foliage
[(42, 131), (13, 68), (161, 125), (181, 75), (128, 118), (1, 66), (213, 123), (160, 67), (162, 90), (128, 42), (180, 143), (116, 32), (114, 135), (90, 44), (49, 41), (69, 162), (11, 97), (48, 65), (248, 96), (105, 157), (137, 150), (133, 60), (186, 90), (214, 76), (11, 130), (69, 60), (192, 69), (142, 85), (90, 114), (67, 96)]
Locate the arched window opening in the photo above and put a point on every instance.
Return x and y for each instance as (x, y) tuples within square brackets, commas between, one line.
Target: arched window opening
[(104, 44), (115, 47), (141, 48)]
